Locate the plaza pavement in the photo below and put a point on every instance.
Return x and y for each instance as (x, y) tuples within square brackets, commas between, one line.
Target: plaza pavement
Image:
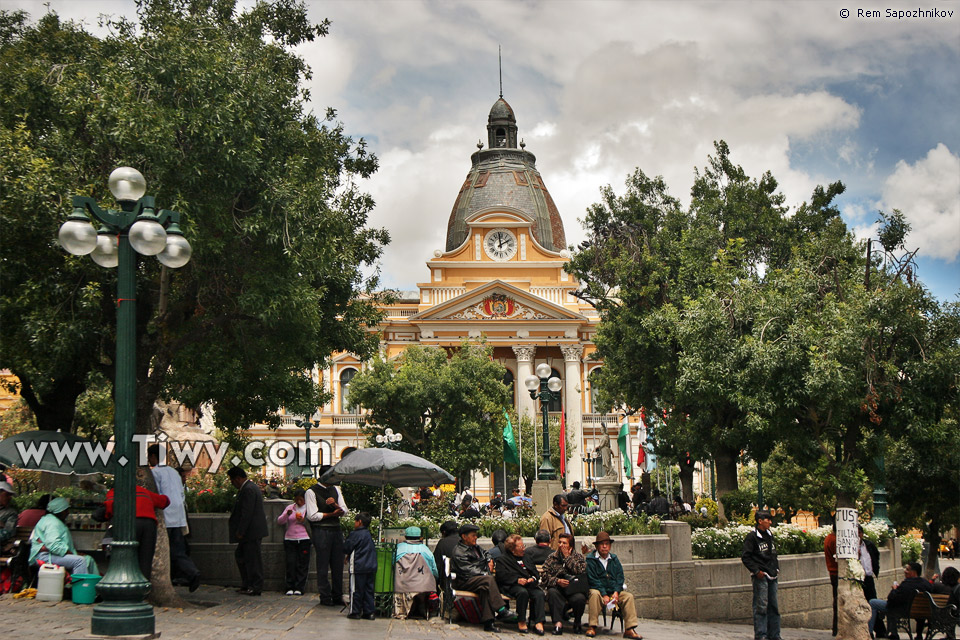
[(273, 616), (221, 613)]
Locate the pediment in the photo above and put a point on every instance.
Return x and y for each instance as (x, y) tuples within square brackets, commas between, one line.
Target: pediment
[(497, 300)]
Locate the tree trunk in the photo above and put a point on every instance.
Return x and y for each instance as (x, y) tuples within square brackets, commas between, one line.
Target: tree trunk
[(853, 611), (725, 461), (162, 593), (686, 479)]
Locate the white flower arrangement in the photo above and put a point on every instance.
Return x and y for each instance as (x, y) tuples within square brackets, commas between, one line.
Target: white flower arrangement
[(855, 568)]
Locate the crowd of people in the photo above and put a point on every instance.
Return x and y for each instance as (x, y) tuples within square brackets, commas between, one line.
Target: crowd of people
[(51, 541)]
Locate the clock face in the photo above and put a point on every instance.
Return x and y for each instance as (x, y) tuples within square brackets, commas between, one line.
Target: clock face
[(500, 244)]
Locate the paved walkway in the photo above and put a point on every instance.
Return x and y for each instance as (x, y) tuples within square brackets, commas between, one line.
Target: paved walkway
[(224, 614)]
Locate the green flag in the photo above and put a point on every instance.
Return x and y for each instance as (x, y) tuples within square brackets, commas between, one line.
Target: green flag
[(624, 454), (509, 443)]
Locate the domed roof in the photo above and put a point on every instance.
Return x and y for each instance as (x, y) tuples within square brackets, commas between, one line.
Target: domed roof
[(505, 176), (501, 110)]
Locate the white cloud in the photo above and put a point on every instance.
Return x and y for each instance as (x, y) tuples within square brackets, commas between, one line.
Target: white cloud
[(928, 194)]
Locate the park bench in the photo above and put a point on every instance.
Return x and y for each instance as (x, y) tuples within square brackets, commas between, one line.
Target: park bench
[(21, 537), (931, 607)]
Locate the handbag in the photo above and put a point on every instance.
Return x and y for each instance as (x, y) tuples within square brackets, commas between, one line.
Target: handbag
[(578, 584)]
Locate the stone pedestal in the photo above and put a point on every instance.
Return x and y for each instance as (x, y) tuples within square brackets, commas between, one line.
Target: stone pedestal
[(543, 492), (608, 489)]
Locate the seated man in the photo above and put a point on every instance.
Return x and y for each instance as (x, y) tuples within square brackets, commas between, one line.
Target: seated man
[(51, 541), (538, 555), (8, 515), (577, 499), (605, 574), (898, 601), (473, 569), (414, 587)]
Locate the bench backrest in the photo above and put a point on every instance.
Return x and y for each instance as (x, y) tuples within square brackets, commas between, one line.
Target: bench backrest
[(921, 605)]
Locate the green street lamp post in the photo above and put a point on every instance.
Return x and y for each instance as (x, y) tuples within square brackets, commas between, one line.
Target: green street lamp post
[(549, 390), (314, 421), (136, 228)]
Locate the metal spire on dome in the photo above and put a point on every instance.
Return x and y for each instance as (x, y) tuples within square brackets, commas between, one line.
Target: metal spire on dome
[(500, 64)]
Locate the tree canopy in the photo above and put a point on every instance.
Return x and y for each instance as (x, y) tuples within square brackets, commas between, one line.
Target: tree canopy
[(448, 406), (749, 327), (208, 102)]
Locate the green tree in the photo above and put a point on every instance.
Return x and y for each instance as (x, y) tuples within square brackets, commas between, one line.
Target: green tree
[(674, 290), (208, 101), (448, 405)]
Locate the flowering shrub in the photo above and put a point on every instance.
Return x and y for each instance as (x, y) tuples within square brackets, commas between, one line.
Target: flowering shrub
[(910, 548), (728, 542)]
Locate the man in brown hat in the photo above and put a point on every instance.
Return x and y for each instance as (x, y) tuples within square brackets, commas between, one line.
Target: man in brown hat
[(605, 575)]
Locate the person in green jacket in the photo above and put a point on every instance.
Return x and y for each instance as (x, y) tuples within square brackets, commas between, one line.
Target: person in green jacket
[(605, 575), (51, 541)]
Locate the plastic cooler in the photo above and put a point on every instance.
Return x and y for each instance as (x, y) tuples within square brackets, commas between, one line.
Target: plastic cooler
[(383, 582), (84, 587)]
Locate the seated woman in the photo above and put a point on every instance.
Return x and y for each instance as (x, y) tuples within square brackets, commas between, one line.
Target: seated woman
[(559, 569), (521, 581), (51, 541)]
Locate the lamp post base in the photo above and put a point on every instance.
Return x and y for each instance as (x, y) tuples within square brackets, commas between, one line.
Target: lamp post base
[(543, 492), (120, 619)]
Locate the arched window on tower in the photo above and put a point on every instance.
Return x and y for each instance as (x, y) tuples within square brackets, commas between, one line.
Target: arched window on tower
[(501, 138), (345, 377), (556, 405)]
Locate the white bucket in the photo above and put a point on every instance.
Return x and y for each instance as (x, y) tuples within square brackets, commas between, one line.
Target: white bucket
[(50, 583)]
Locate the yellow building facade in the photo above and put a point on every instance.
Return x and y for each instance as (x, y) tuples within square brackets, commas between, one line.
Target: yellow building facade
[(500, 277)]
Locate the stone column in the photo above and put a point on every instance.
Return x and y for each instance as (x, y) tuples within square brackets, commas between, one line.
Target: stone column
[(525, 355), (573, 406)]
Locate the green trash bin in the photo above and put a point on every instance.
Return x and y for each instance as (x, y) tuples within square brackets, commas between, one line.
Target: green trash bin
[(383, 582)]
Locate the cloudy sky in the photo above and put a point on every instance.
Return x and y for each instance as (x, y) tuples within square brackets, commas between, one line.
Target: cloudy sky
[(600, 88)]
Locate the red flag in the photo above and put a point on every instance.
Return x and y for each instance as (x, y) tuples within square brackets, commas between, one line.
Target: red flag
[(642, 439), (641, 456), (563, 446)]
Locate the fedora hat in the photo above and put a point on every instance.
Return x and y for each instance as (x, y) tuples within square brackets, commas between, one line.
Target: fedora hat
[(603, 536)]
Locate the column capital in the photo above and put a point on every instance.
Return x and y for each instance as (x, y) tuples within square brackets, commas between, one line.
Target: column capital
[(525, 352), (571, 352)]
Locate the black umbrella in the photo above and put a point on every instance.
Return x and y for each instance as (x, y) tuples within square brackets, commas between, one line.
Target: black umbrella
[(379, 467), (56, 452)]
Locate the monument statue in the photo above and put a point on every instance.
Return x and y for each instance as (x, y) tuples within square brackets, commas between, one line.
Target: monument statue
[(606, 454)]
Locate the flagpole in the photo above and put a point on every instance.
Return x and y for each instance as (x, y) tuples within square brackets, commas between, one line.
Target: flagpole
[(520, 454)]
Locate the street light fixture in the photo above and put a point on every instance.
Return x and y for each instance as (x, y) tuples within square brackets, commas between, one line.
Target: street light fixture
[(314, 421), (389, 439), (549, 390), (136, 228)]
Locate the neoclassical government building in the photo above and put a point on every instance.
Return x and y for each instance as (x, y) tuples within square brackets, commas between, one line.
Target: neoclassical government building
[(500, 276)]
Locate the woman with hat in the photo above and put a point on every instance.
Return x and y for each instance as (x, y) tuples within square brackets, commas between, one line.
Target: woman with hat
[(521, 581), (563, 573), (605, 574), (51, 541)]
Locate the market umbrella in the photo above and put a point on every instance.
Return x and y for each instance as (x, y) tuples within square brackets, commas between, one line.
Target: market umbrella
[(55, 452), (379, 467)]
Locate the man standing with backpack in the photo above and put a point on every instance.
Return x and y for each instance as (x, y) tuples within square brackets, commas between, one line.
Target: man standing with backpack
[(325, 506)]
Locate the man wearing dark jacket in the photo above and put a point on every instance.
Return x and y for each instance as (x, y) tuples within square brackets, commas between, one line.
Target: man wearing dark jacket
[(760, 558), (659, 506), (538, 555), (248, 527), (449, 537), (360, 544), (899, 599), (473, 570)]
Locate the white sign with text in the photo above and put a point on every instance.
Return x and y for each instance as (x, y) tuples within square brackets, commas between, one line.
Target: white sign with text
[(848, 535)]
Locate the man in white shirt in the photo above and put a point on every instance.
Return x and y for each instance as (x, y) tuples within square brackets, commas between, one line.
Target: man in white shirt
[(325, 506), (174, 516)]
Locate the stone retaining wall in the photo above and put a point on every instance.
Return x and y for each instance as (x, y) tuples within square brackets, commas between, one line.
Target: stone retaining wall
[(660, 571)]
